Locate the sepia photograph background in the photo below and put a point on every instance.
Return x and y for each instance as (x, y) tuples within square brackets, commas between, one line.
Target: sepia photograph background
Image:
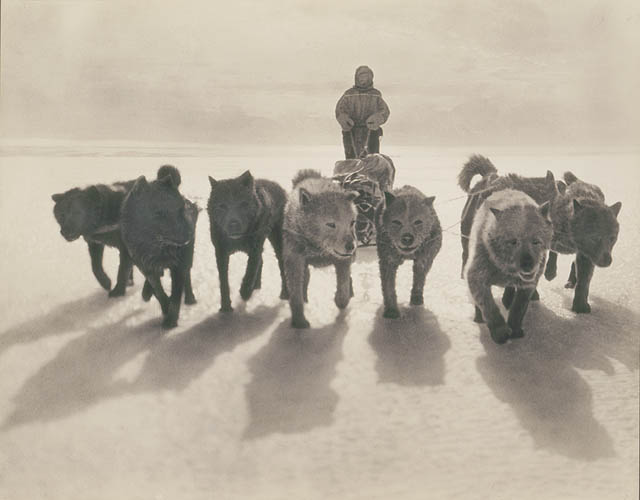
[(97, 401)]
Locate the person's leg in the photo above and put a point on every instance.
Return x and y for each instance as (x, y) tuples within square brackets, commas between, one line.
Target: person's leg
[(347, 141)]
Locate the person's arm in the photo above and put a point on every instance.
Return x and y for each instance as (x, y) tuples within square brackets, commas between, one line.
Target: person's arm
[(380, 116), (342, 115)]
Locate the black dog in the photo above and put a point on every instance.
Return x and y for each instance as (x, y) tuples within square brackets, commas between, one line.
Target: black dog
[(158, 227), (243, 213)]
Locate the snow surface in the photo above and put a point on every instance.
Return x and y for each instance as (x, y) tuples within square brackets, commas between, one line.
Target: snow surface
[(98, 402)]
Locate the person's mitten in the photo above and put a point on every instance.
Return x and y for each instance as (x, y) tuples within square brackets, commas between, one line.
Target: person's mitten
[(374, 121), (345, 122)]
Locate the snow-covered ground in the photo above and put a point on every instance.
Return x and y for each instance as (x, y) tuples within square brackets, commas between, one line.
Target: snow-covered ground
[(98, 402)]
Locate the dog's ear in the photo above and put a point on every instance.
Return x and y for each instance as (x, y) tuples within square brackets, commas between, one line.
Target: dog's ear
[(428, 201), (569, 178), (616, 208), (246, 179), (561, 187), (545, 210), (577, 207), (352, 195), (57, 197), (305, 197), (140, 185), (213, 182), (497, 213), (551, 184), (388, 198)]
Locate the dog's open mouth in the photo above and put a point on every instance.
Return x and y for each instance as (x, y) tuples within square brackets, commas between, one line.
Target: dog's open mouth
[(343, 255), (404, 249), (527, 276)]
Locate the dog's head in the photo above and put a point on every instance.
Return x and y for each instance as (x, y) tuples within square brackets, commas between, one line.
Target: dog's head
[(595, 227), (408, 218), (234, 204), (77, 211), (519, 240)]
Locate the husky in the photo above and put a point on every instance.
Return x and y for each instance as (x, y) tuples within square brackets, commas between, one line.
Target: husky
[(243, 213), (407, 228), (319, 230), (510, 236)]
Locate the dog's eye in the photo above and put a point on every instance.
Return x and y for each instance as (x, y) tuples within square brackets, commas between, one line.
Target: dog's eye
[(536, 242), (353, 223), (512, 243), (396, 223), (613, 239), (417, 222), (331, 225)]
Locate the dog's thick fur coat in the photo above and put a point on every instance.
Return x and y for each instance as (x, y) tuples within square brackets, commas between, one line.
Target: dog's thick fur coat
[(94, 214), (407, 228), (319, 230), (510, 236), (243, 213), (158, 228)]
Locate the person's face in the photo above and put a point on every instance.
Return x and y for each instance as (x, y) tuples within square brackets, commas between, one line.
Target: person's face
[(364, 78)]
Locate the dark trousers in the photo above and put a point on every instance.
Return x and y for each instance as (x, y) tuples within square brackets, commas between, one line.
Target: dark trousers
[(357, 136)]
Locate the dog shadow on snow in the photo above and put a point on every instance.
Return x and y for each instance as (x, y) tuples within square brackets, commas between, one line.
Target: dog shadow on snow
[(85, 370), (538, 375), (60, 320), (410, 349), (290, 390)]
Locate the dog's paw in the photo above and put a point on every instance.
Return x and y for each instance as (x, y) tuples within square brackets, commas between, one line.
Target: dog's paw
[(535, 296), (226, 308), (391, 313), (118, 291), (169, 322), (500, 334), (105, 282), (416, 299), (478, 316), (190, 300), (517, 333), (300, 323), (570, 284), (246, 291), (581, 307), (284, 294)]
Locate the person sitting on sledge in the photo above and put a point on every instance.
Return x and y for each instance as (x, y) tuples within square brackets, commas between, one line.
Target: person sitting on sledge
[(360, 112)]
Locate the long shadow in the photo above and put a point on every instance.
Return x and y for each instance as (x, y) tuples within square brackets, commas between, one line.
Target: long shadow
[(62, 319), (81, 374), (537, 375), (174, 362), (290, 391), (410, 349)]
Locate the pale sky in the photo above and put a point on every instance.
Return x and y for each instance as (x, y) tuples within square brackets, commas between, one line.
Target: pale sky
[(452, 72)]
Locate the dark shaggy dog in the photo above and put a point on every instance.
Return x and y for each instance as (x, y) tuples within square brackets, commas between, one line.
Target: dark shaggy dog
[(158, 228), (94, 214), (586, 226), (319, 230), (406, 228), (243, 213)]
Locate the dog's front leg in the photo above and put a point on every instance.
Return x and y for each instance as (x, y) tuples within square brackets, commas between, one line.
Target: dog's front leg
[(294, 267), (518, 310), (158, 291), (124, 273), (420, 269), (343, 279), (177, 287), (96, 250), (552, 266), (388, 270), (481, 294), (254, 266), (584, 272), (222, 260)]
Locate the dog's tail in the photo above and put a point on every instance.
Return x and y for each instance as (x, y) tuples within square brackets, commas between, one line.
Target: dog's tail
[(477, 165), (307, 173), (569, 178), (172, 171)]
